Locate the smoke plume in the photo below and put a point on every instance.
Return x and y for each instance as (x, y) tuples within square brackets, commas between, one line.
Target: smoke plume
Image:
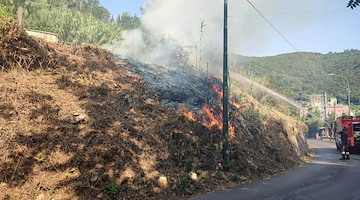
[(198, 27)]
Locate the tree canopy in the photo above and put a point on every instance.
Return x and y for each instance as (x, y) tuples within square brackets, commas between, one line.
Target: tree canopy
[(75, 21), (298, 75)]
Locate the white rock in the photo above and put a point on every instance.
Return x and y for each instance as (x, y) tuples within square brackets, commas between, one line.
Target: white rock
[(194, 176), (163, 182), (77, 118), (40, 197)]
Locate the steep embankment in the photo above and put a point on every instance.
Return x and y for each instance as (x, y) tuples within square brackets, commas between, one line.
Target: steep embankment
[(75, 124)]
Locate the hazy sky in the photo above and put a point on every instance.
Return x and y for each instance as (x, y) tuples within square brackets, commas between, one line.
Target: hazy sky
[(313, 26)]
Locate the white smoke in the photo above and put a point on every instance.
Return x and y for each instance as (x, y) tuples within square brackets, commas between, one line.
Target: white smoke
[(248, 32), (132, 46)]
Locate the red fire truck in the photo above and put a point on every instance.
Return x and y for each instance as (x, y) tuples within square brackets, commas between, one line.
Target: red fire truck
[(353, 128)]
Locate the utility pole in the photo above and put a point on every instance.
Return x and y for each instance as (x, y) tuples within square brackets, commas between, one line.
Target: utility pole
[(201, 41), (348, 89), (20, 15), (225, 94), (326, 125), (325, 102), (335, 102)]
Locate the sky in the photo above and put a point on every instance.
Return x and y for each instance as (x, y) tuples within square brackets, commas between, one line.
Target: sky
[(117, 7), (313, 26)]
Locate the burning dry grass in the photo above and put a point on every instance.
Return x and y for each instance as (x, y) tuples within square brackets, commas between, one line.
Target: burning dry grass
[(126, 137), (86, 129)]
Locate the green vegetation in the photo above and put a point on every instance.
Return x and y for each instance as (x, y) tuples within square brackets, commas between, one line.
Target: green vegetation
[(112, 190), (75, 21), (298, 75), (2, 10), (51, 190), (184, 181), (313, 124), (234, 178), (5, 10)]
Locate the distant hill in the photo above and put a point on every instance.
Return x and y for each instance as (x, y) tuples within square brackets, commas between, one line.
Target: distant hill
[(298, 75)]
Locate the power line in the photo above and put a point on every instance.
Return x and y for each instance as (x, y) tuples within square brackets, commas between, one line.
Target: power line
[(273, 26), (305, 13)]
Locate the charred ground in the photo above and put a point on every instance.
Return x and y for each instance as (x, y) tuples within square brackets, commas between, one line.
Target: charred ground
[(76, 124)]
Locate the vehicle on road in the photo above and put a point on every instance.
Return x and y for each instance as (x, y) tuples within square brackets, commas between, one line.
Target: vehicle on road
[(353, 127)]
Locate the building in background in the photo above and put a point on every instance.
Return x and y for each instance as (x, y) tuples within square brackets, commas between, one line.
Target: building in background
[(328, 107), (339, 109)]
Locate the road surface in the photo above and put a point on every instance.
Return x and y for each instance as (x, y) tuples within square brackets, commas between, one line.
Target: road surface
[(325, 178)]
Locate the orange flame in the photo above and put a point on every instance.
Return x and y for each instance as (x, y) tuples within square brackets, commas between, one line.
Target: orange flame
[(231, 130), (209, 119), (218, 91), (233, 103), (209, 116), (188, 114)]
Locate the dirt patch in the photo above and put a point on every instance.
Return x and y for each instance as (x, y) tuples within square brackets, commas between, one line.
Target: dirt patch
[(82, 127)]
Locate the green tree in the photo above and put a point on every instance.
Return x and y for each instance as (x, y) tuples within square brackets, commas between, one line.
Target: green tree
[(5, 10), (313, 125), (14, 4), (127, 21), (101, 13), (81, 29), (298, 75), (75, 21)]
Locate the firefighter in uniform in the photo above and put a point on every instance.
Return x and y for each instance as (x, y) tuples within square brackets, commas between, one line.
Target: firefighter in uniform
[(344, 144)]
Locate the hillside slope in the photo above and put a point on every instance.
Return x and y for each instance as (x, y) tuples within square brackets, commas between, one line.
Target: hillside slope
[(75, 124), (298, 75)]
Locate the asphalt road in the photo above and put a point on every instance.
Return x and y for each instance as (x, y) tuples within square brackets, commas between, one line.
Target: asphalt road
[(325, 178)]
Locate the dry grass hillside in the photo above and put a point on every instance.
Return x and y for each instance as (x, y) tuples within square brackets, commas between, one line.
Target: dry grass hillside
[(75, 124)]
